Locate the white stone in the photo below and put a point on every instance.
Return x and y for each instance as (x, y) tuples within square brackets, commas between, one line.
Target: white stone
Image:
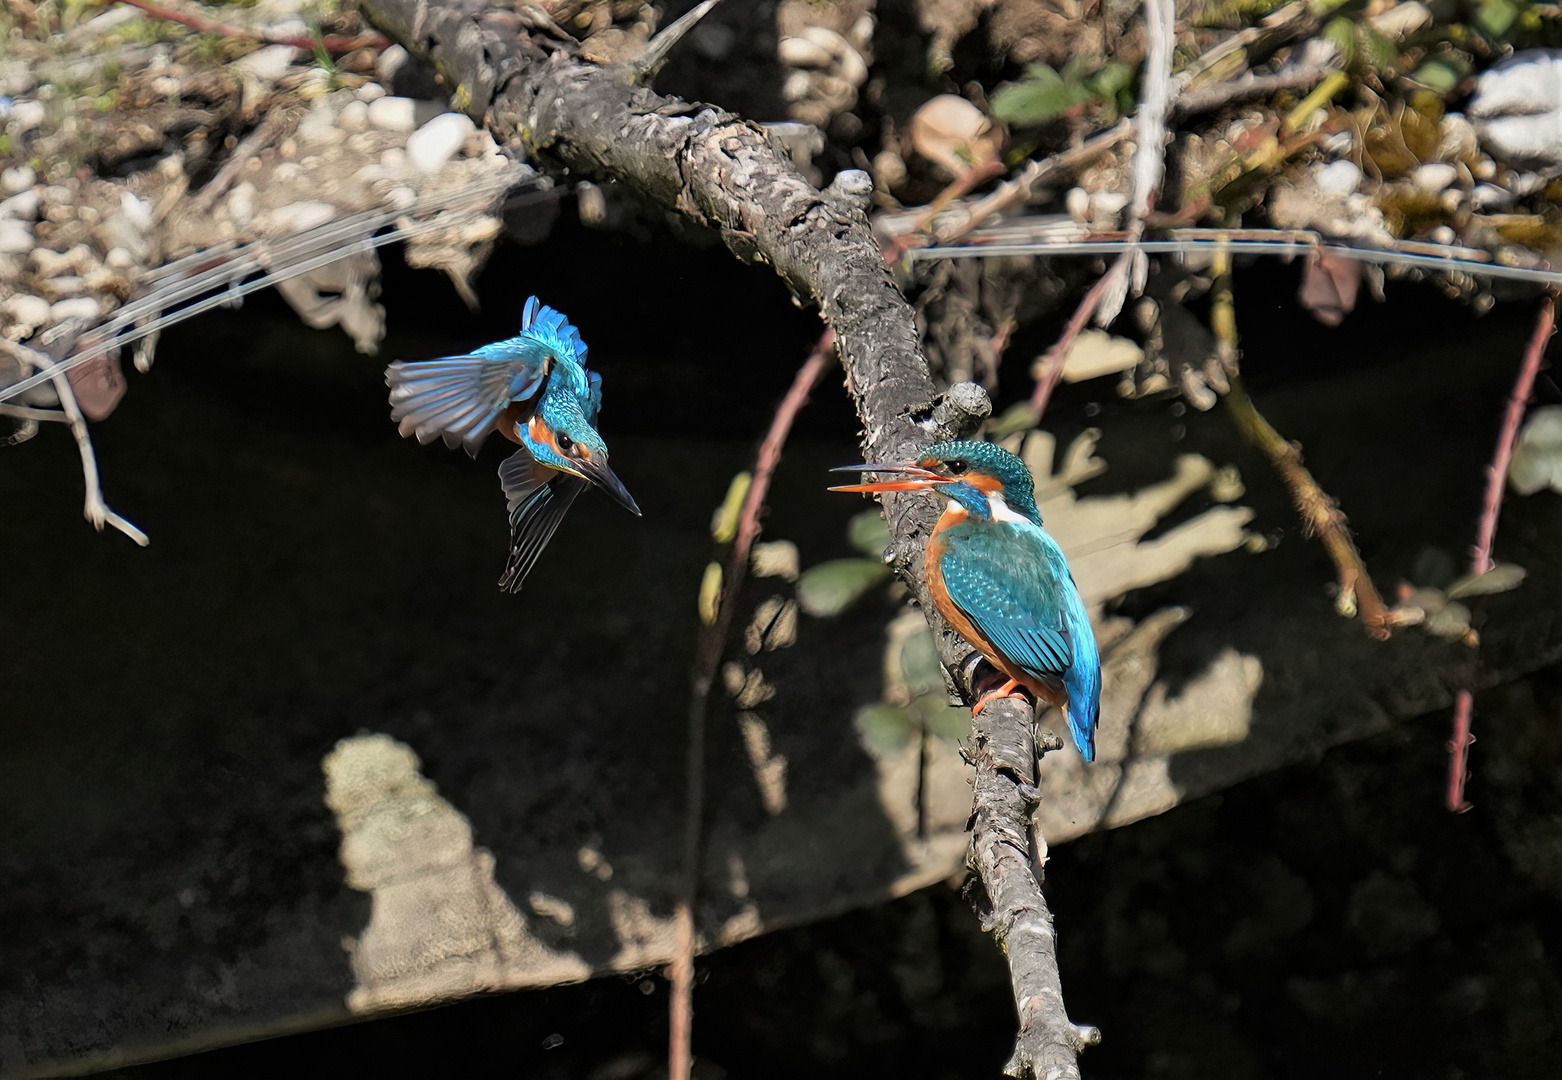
[(354, 116), (1338, 178), (1107, 204), (319, 127), (439, 140), (802, 53), (1434, 177), (166, 85), (66, 285), (28, 114), (29, 312), (402, 198), (77, 307), (372, 91), (797, 86), (16, 237), (1517, 109), (241, 202), (1490, 197), (393, 114), (137, 210), (268, 64), (287, 28), (1402, 20), (394, 161), (22, 206), (50, 263), (390, 62), (1443, 234), (18, 179), (1077, 203), (298, 216), (119, 259)]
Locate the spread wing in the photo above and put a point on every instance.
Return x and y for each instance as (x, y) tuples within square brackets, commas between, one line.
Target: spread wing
[(538, 498), (462, 397), (540, 320), (1013, 597)]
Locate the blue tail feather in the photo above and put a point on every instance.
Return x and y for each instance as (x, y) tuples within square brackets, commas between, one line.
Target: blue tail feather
[(1083, 678)]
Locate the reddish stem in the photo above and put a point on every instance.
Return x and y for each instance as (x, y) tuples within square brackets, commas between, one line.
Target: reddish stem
[(1459, 751), (1496, 480), (1052, 363), (335, 44), (1497, 472), (707, 658)]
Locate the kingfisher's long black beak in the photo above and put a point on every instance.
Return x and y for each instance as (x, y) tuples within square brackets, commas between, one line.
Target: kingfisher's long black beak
[(918, 477), (597, 471)]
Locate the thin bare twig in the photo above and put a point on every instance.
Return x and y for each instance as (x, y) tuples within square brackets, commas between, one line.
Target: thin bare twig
[(1013, 192), (1149, 161), (95, 509), (1321, 516), (651, 58), (1052, 363), (331, 43), (707, 659), (1481, 560), (971, 177), (1497, 471)]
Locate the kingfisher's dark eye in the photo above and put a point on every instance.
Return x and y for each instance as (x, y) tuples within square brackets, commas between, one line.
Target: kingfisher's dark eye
[(566, 444), (956, 467)]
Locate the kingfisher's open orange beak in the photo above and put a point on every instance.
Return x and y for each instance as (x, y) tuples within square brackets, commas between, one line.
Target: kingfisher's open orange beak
[(918, 478)]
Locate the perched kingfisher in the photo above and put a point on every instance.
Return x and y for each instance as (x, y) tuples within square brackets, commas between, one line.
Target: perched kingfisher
[(535, 390), (1000, 581)]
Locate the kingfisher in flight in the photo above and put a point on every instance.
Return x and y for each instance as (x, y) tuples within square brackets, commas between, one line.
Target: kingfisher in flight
[(1001, 581), (533, 389)]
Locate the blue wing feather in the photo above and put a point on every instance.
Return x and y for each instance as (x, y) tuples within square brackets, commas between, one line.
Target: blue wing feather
[(1013, 583), (538, 498), (461, 398)]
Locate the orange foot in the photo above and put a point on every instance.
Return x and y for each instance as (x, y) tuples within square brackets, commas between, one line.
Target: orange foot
[(1006, 690)]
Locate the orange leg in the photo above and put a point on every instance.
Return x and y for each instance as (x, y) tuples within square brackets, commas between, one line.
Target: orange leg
[(1007, 689)]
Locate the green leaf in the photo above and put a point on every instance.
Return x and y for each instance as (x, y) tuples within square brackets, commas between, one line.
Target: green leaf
[(919, 664), (1113, 78), (1040, 96), (1341, 33), (832, 587), (1441, 75), (1496, 17), (883, 729), (1378, 49), (868, 532), (1016, 418), (1500, 578), (947, 721), (724, 522)]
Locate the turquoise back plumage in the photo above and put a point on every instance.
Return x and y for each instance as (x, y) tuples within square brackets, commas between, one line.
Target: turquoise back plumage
[(1009, 577)]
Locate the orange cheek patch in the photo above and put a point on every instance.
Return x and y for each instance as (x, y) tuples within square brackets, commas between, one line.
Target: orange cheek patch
[(541, 433)]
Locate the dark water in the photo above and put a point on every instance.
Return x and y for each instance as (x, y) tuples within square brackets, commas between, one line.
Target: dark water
[(1327, 920)]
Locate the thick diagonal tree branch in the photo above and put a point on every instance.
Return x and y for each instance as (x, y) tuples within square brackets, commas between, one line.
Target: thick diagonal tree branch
[(720, 170)]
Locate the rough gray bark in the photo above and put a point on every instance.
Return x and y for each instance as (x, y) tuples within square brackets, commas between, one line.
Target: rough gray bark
[(720, 170)]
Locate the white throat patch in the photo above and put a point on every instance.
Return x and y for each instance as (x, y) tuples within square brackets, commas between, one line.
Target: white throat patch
[(1000, 511)]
